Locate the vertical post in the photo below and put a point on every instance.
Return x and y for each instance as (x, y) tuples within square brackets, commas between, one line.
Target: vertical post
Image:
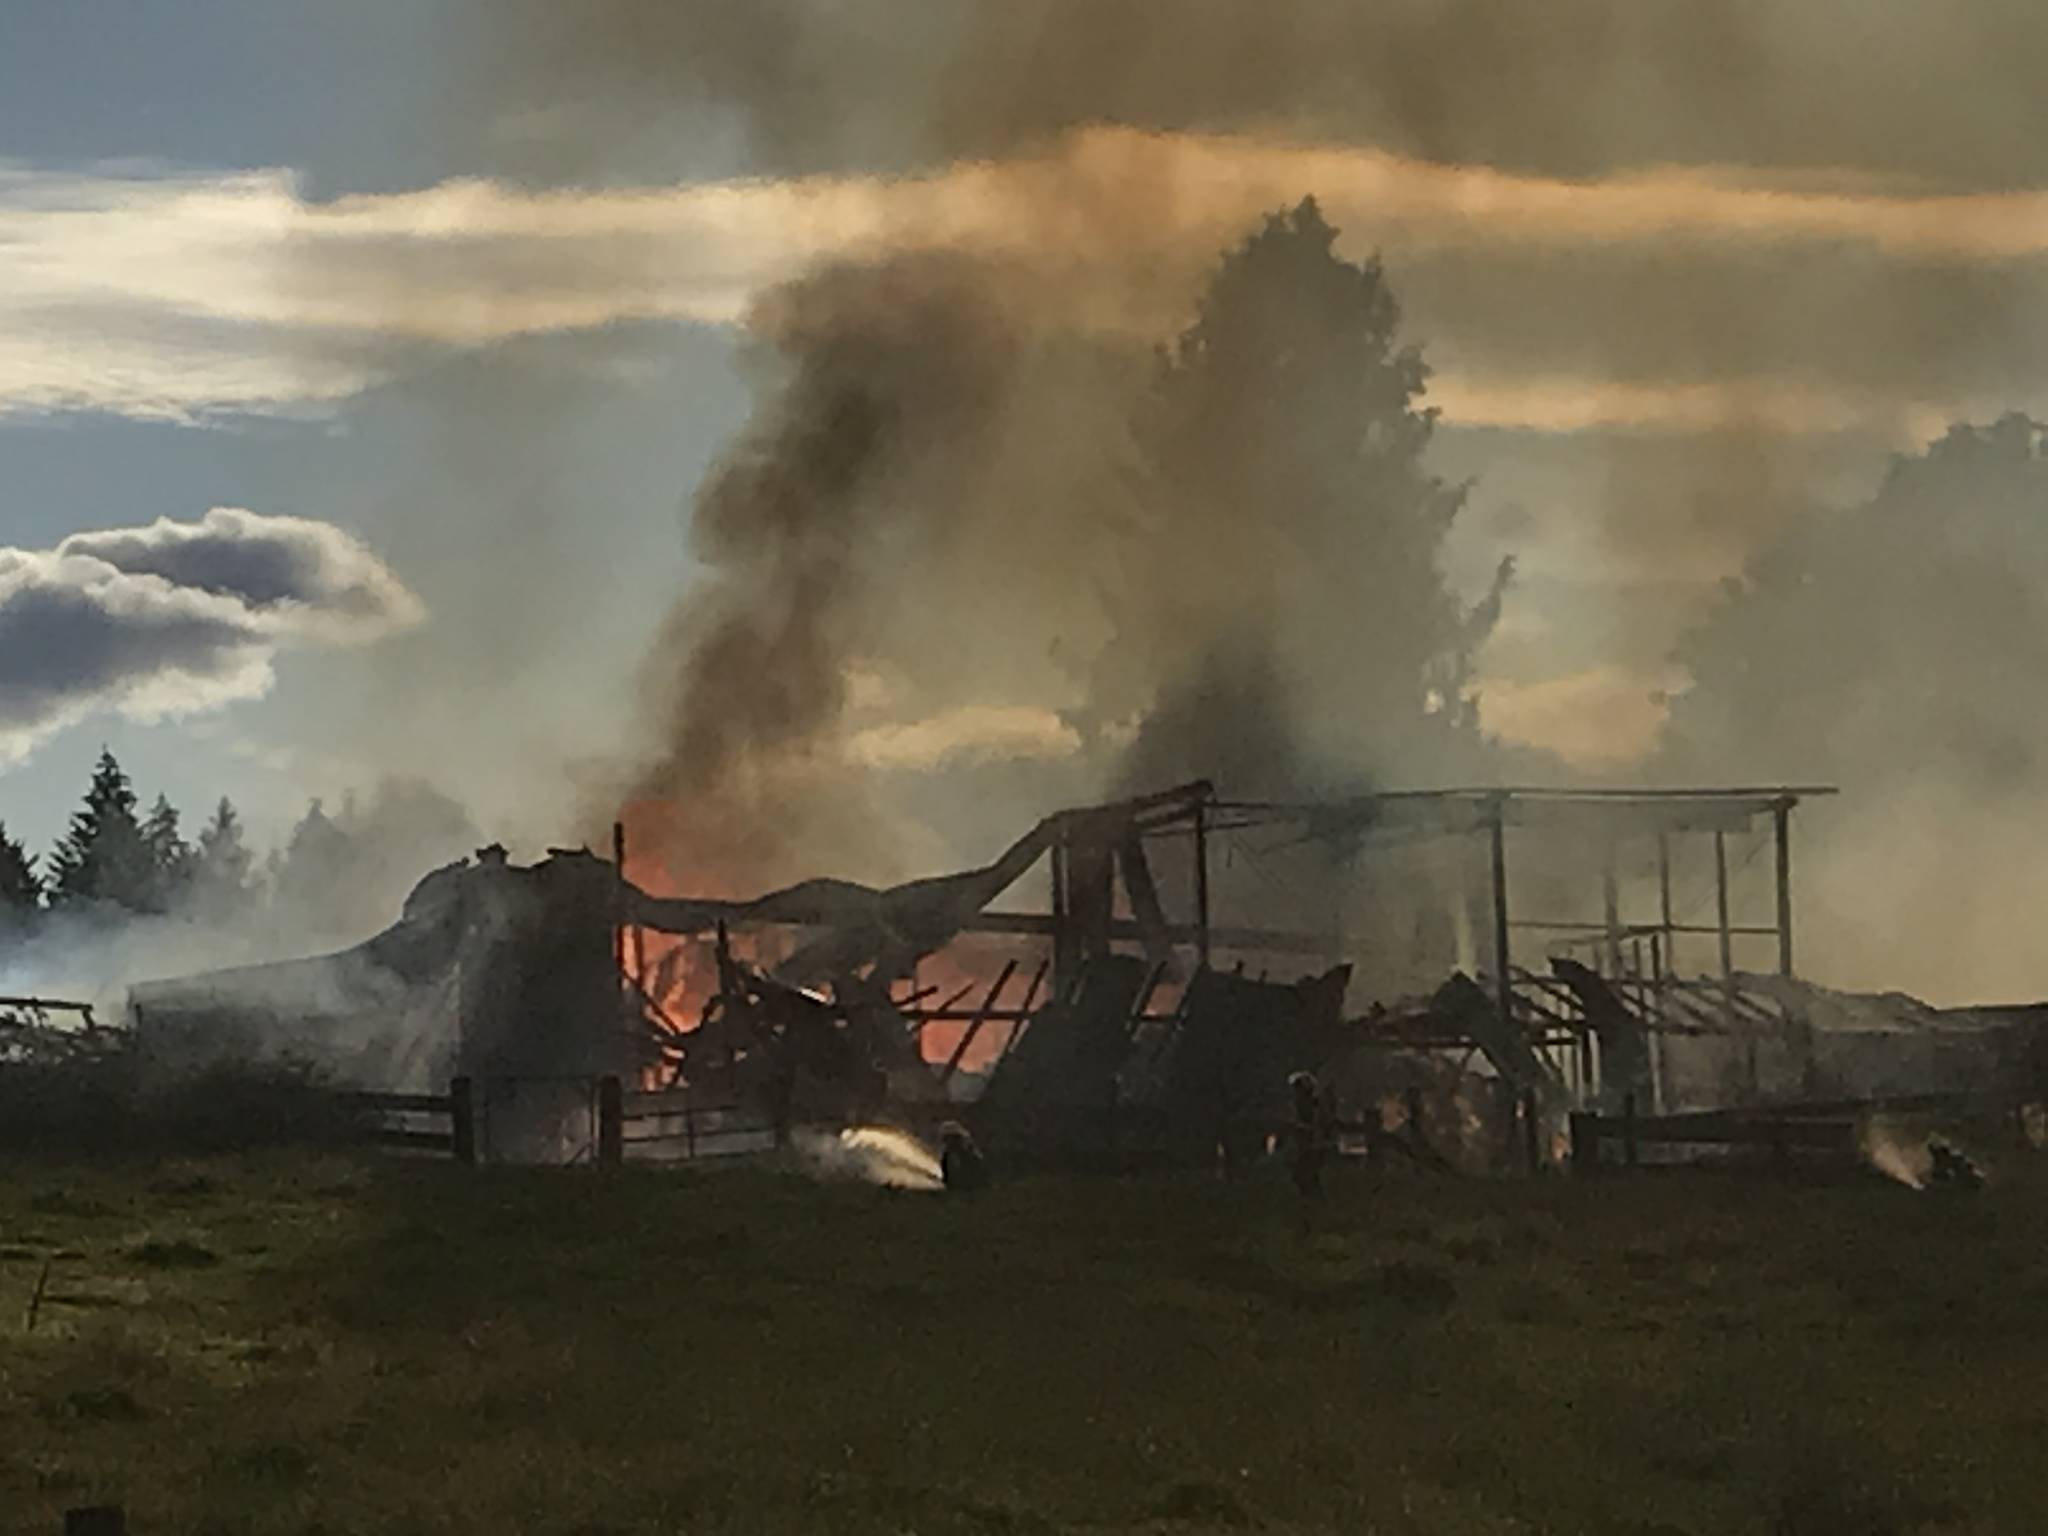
[(1202, 883), (619, 902), (1781, 815), (1610, 891), (611, 1122), (1585, 1141), (1628, 1129), (1504, 991), (1062, 930), (690, 1122), (1656, 1051), (462, 1120), (1721, 905), (1531, 1143), (1664, 897), (1664, 966)]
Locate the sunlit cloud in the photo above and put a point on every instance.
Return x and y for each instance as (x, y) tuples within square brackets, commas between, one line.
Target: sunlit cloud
[(968, 734), (181, 296)]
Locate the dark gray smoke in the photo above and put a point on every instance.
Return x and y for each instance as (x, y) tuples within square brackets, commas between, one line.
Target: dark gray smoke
[(1221, 561), (1888, 88), (945, 497)]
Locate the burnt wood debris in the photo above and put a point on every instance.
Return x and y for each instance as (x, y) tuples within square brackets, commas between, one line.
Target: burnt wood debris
[(1156, 978)]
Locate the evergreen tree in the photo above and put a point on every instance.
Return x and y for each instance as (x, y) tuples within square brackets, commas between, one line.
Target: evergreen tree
[(1290, 499), (21, 888), (170, 856), (104, 857), (222, 863), (316, 865)]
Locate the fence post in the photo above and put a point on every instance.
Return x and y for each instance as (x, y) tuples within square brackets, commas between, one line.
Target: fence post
[(611, 1122), (1411, 1102), (462, 1118), (98, 1520), (690, 1122), (1628, 1129), (1585, 1141), (1531, 1132)]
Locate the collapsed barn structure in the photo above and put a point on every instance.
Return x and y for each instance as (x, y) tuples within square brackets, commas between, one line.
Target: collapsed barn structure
[(1474, 956)]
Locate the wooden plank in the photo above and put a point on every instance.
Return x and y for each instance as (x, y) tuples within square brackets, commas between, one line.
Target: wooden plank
[(1810, 1135), (399, 1103), (1503, 963), (462, 1130), (1781, 818), (681, 1105), (611, 1120), (976, 1024), (701, 1135), (437, 1141)]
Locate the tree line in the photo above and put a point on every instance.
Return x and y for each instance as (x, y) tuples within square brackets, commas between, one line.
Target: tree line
[(117, 860)]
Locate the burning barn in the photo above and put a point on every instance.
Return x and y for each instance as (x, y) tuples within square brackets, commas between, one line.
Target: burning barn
[(1486, 953)]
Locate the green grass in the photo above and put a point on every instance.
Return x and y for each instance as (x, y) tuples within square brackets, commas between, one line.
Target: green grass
[(283, 1343)]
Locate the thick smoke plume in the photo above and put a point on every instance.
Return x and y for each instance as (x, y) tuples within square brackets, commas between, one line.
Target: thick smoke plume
[(940, 500), (1882, 87), (1221, 561)]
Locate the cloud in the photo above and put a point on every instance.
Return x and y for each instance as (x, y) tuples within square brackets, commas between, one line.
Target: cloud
[(974, 733), (177, 618), (185, 296), (292, 574)]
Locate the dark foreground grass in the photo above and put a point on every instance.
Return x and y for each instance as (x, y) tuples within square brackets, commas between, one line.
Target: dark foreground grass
[(298, 1344)]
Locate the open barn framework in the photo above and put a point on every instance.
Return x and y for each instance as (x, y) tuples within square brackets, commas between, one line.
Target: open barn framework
[(1564, 901)]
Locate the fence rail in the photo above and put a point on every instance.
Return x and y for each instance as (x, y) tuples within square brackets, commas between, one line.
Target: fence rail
[(646, 1119), (1834, 1126), (457, 1138)]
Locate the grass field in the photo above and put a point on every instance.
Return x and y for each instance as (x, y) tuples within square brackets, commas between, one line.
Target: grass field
[(300, 1343)]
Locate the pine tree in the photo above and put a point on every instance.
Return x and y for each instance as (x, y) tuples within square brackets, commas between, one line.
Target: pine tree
[(222, 863), (104, 857), (21, 888), (170, 856), (1291, 497), (316, 864)]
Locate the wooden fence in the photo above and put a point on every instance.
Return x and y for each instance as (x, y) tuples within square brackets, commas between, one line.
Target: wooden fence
[(1830, 1128), (394, 1120), (679, 1122), (664, 1125)]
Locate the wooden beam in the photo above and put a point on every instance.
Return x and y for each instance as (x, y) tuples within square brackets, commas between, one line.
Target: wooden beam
[(1610, 895), (1504, 986), (975, 1025), (1782, 823), (1721, 905)]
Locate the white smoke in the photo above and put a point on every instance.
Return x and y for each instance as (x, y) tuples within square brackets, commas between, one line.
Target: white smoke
[(1895, 1154), (873, 1154)]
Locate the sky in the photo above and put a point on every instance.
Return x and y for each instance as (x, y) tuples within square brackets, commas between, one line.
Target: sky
[(444, 304)]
